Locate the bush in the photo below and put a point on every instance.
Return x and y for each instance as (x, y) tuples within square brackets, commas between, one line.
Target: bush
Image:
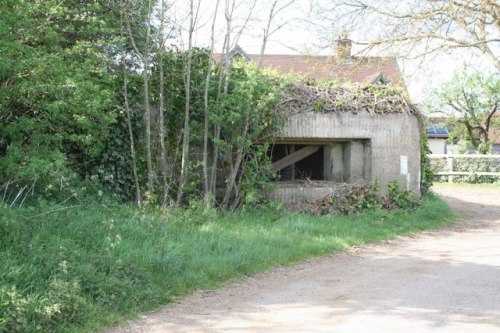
[(39, 172)]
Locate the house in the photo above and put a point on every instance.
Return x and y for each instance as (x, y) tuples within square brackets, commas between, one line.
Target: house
[(340, 65), (437, 138), (342, 134)]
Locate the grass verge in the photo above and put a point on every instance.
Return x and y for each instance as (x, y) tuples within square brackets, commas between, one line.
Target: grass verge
[(83, 268)]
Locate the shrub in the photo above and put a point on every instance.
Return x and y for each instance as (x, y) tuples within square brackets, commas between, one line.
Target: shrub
[(401, 198)]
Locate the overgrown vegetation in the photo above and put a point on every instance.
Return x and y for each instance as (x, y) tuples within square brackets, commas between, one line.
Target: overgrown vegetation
[(79, 268), (341, 97), (361, 197), (78, 112), (51, 61), (164, 125)]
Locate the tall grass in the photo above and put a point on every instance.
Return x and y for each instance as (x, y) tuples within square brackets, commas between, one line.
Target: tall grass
[(82, 268)]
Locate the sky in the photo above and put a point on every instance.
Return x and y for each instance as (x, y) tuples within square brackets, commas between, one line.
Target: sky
[(308, 31)]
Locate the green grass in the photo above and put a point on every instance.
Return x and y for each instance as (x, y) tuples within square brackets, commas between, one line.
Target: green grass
[(84, 268)]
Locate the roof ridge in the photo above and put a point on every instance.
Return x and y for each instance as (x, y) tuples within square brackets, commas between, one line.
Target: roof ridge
[(329, 67), (318, 56)]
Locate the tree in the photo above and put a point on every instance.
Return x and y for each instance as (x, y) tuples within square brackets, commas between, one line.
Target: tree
[(133, 154), (276, 8), (231, 36), (418, 28), (472, 100), (226, 76), (166, 31), (247, 115), (193, 21), (207, 187), (144, 55), (54, 56)]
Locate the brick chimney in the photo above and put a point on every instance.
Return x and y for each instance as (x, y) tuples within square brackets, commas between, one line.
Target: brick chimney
[(343, 46)]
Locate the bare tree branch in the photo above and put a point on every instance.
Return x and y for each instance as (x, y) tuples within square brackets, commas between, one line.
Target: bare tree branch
[(434, 25)]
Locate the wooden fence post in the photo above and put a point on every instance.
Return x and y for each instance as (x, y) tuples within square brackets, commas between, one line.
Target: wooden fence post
[(449, 161)]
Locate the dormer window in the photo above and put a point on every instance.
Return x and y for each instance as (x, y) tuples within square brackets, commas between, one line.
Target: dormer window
[(380, 80), (235, 53)]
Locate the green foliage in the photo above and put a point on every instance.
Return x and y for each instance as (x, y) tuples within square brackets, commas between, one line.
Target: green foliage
[(470, 98), (62, 109), (58, 304), (246, 115), (319, 105), (402, 198), (476, 165), (57, 92), (66, 269), (426, 169), (112, 168)]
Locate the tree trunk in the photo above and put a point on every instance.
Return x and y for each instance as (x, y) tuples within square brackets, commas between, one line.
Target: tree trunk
[(147, 106), (236, 167), (145, 61), (138, 196), (187, 85), (208, 198), (162, 135)]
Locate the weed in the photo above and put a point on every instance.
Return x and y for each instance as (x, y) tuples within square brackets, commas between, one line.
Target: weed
[(402, 198)]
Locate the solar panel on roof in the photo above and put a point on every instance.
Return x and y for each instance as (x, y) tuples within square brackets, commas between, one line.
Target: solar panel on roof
[(437, 130)]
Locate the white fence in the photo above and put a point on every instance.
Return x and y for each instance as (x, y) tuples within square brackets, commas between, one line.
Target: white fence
[(449, 161)]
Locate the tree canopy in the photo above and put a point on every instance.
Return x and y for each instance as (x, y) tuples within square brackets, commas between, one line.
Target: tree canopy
[(471, 100)]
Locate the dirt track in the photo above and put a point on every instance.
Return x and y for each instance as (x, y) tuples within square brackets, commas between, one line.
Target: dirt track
[(439, 281)]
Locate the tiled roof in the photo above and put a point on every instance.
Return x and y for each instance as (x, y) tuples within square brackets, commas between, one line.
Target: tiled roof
[(353, 69)]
